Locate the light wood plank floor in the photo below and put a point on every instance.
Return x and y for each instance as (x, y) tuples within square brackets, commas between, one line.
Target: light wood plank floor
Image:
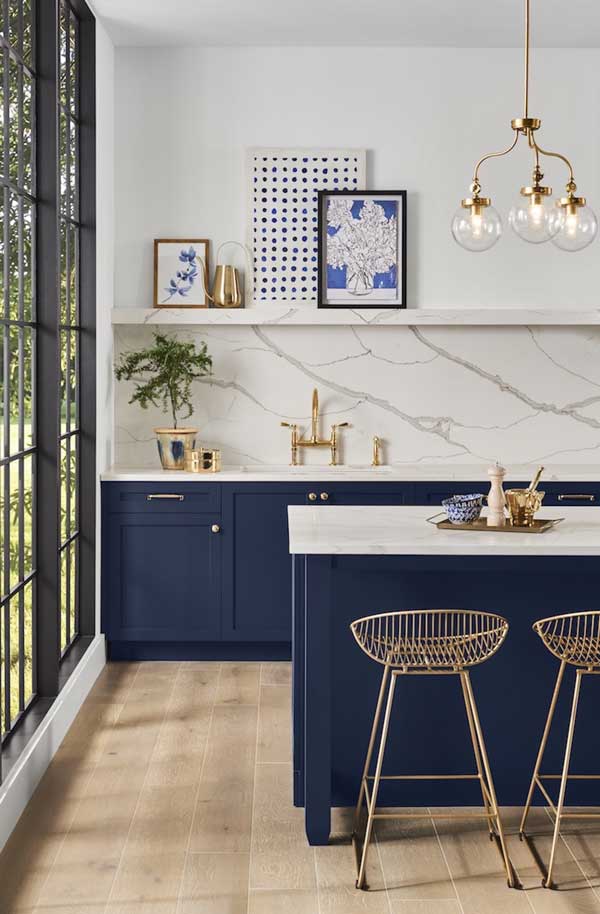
[(171, 795)]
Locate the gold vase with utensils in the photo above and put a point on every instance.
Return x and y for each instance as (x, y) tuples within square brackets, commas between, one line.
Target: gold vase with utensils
[(522, 505), (227, 287)]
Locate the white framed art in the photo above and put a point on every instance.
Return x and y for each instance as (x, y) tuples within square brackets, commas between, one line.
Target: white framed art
[(283, 207)]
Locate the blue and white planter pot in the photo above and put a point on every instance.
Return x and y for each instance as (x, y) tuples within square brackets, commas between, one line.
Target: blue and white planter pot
[(463, 509), (173, 445)]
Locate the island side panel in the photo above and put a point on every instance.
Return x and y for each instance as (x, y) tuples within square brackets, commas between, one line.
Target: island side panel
[(317, 699)]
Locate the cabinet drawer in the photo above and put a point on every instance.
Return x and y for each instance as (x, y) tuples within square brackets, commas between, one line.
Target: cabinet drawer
[(163, 498)]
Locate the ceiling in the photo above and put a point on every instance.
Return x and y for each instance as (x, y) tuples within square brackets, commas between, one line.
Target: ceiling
[(429, 23)]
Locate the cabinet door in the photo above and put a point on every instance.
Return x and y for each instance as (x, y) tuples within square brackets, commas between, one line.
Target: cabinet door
[(257, 587), (163, 578)]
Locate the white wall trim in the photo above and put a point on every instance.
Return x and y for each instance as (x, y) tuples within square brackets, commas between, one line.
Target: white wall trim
[(24, 777)]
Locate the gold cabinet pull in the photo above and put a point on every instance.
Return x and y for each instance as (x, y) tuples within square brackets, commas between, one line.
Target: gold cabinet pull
[(577, 497), (324, 496), (162, 496), (312, 496), (215, 528)]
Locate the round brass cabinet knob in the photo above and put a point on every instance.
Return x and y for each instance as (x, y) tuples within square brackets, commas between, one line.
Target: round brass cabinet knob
[(324, 496), (312, 496), (215, 528)]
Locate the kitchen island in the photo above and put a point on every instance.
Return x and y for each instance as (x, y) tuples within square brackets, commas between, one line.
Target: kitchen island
[(357, 560)]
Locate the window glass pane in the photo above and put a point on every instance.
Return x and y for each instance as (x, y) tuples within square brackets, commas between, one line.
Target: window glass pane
[(28, 265), (27, 131), (73, 520), (64, 27), (73, 262), (64, 599), (28, 31), (63, 241), (15, 536), (73, 66), (73, 598), (14, 129), (73, 197), (13, 257), (64, 388), (28, 595), (73, 379), (13, 388), (64, 490), (13, 24), (3, 412), (63, 133), (28, 515)]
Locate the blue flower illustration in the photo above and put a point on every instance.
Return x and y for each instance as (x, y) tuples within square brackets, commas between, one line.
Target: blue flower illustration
[(184, 278)]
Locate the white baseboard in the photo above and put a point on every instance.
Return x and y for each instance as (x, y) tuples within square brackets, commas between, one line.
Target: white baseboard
[(26, 774)]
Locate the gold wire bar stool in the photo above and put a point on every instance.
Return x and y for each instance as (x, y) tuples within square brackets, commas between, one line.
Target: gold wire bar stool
[(574, 639), (430, 642)]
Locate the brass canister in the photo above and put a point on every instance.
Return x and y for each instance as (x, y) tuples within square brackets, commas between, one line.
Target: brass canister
[(522, 505), (203, 460)]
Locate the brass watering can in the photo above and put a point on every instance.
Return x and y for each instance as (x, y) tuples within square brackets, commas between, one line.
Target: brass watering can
[(227, 288)]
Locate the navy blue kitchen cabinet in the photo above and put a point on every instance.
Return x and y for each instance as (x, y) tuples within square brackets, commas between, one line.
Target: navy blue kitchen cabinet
[(257, 578), (164, 578), (202, 569)]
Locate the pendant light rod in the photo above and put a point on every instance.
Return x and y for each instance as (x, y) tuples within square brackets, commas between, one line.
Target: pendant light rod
[(527, 21)]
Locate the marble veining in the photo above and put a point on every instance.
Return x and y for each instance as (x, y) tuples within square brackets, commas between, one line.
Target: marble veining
[(394, 530), (435, 395)]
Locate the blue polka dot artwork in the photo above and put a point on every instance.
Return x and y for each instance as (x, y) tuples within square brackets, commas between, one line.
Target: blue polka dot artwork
[(362, 251), (284, 186)]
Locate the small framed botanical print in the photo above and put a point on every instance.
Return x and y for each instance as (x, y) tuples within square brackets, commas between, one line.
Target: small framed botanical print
[(180, 272), (362, 249)]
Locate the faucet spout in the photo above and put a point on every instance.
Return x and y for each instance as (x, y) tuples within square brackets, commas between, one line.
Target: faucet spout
[(315, 416)]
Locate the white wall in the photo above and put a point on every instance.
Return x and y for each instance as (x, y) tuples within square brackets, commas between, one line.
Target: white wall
[(183, 119)]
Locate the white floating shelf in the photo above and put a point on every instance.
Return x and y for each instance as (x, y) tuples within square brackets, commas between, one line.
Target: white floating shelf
[(310, 316)]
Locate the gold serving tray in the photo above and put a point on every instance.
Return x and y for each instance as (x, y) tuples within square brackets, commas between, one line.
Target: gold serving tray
[(481, 525)]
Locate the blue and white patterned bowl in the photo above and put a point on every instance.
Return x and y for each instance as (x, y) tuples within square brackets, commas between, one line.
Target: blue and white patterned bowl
[(463, 509)]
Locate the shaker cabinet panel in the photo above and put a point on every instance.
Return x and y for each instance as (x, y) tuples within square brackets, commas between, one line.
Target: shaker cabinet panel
[(163, 578), (257, 584)]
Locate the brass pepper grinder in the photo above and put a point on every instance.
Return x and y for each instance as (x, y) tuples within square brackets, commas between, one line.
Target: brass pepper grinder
[(496, 498)]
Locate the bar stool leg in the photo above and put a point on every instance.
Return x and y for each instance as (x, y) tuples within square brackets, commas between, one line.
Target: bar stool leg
[(378, 709), (510, 875), (563, 781), (476, 753), (372, 806), (542, 749)]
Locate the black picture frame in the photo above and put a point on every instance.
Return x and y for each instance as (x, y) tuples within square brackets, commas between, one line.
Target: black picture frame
[(359, 302)]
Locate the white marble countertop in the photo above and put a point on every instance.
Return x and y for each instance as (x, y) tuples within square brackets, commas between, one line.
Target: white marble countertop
[(385, 530), (421, 472)]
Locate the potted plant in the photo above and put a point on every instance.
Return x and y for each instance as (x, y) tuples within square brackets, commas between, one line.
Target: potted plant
[(164, 373)]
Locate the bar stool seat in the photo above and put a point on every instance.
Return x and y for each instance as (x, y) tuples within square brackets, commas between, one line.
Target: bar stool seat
[(574, 639), (434, 642)]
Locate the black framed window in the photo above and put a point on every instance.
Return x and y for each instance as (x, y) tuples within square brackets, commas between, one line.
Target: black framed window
[(18, 445), (47, 349)]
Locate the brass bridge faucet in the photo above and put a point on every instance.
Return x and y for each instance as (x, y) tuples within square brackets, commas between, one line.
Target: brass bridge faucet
[(314, 440)]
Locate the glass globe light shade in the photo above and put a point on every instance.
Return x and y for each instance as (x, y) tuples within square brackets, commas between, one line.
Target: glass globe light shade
[(576, 229), (476, 228), (533, 219)]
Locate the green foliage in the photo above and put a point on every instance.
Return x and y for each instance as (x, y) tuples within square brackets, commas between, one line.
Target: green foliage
[(166, 371)]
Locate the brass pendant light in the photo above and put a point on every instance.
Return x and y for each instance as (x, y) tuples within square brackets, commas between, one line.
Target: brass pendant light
[(570, 225)]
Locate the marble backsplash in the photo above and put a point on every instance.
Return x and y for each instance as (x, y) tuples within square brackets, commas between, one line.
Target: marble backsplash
[(433, 394)]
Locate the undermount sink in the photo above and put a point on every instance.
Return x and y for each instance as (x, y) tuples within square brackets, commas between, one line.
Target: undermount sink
[(314, 470)]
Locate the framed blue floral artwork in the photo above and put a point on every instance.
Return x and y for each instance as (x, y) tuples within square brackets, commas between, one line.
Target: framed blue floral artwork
[(362, 249), (180, 272)]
